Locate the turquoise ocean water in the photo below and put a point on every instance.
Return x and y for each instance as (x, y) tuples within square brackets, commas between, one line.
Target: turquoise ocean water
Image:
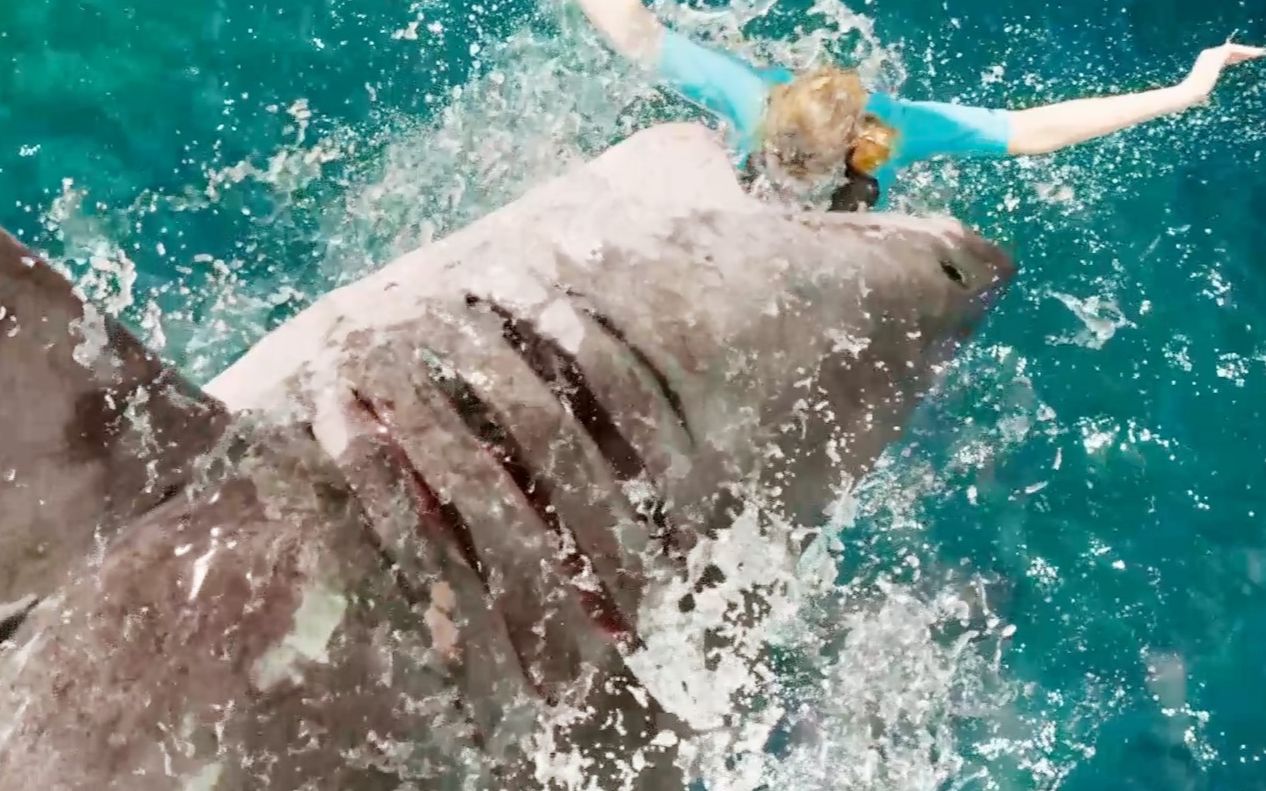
[(1097, 457)]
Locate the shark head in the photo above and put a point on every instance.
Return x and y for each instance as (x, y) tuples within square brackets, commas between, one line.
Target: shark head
[(457, 498)]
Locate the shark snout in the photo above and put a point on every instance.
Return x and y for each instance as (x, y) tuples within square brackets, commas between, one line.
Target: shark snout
[(979, 272), (977, 265)]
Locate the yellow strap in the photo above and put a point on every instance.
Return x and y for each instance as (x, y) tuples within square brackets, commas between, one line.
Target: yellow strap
[(874, 146)]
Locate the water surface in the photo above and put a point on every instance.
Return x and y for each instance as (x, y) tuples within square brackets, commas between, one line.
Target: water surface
[(208, 168)]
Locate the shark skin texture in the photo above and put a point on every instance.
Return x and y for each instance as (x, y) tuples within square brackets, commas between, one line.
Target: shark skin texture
[(456, 525), (65, 459)]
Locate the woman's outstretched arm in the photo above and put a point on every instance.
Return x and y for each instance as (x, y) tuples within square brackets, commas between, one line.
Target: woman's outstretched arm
[(1044, 129), (631, 28)]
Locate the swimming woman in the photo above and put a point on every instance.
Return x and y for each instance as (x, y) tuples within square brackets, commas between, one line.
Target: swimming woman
[(823, 127)]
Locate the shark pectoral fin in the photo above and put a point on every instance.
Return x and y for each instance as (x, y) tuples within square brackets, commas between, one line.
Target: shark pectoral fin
[(96, 428)]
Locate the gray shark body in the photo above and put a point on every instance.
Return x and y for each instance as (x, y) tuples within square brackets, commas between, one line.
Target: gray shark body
[(417, 537)]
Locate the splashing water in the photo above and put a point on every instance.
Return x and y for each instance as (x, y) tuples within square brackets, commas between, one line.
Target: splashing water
[(984, 612)]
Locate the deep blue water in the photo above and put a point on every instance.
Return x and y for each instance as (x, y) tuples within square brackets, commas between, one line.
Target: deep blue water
[(1099, 451)]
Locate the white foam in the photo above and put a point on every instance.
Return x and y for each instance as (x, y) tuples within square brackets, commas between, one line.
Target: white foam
[(315, 621)]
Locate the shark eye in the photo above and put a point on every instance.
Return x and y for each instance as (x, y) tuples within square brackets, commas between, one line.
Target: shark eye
[(952, 272)]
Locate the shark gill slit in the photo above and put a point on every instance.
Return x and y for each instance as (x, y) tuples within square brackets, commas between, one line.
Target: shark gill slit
[(430, 508), (618, 335), (402, 469), (666, 389), (486, 425), (562, 374), (12, 616)]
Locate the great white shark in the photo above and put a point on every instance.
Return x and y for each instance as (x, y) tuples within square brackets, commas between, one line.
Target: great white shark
[(449, 527)]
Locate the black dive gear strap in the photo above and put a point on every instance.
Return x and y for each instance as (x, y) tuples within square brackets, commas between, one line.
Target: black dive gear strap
[(859, 191)]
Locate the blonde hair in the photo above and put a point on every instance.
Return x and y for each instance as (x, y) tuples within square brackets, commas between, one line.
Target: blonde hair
[(816, 122)]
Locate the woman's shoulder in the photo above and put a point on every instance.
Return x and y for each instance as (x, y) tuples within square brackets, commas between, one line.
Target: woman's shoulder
[(930, 128)]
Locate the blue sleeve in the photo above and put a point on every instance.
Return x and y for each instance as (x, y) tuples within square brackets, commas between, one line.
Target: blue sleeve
[(930, 129), (724, 85)]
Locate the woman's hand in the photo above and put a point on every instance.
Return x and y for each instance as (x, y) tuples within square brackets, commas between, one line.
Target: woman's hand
[(1204, 75)]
